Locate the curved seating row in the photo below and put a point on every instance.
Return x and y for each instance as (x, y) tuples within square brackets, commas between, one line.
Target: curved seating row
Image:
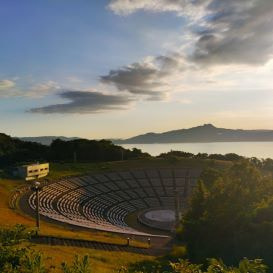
[(103, 201)]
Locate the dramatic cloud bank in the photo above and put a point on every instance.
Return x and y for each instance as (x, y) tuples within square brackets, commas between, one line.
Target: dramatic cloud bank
[(233, 31), (85, 102), (236, 32), (222, 33)]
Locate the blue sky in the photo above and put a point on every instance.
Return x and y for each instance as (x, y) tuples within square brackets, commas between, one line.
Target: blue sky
[(123, 67)]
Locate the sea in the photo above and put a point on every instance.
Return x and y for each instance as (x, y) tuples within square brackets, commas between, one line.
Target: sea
[(247, 149)]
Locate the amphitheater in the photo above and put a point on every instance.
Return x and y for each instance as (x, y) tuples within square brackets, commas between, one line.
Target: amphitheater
[(103, 201)]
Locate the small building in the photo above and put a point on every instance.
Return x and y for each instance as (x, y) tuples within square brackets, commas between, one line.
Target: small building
[(33, 171)]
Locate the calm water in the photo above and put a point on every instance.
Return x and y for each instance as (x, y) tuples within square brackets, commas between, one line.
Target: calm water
[(248, 149)]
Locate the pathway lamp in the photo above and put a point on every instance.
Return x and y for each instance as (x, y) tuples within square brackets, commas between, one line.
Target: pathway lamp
[(37, 188)]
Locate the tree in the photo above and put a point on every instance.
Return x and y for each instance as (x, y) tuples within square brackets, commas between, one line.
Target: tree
[(228, 213)]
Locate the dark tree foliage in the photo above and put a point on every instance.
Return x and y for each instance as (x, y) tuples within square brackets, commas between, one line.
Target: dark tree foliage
[(226, 157), (6, 144), (84, 150), (202, 155), (14, 151), (177, 154), (230, 216), (265, 165)]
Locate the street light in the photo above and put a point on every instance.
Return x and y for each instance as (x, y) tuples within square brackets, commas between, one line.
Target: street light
[(37, 187), (149, 241)]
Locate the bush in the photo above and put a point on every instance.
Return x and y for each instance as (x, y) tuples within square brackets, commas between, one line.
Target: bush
[(21, 261), (13, 236), (78, 265), (179, 251)]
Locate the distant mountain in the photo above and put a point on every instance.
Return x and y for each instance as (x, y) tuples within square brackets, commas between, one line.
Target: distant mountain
[(204, 133), (46, 140)]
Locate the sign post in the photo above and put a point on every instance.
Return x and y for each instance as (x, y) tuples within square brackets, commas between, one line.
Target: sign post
[(34, 172)]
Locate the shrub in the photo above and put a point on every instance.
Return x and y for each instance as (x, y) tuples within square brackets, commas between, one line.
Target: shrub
[(13, 236), (78, 265)]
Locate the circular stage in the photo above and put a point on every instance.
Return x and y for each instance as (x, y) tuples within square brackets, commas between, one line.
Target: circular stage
[(163, 219), (165, 215)]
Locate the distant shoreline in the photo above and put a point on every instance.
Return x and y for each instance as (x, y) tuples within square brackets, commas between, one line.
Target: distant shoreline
[(259, 149), (246, 141)]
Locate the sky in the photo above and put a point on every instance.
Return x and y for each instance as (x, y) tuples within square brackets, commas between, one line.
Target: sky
[(119, 68)]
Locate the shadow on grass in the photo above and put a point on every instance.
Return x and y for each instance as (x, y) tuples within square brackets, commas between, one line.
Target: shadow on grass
[(159, 265)]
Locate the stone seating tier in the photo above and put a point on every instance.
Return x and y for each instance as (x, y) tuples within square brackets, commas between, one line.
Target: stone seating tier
[(103, 201)]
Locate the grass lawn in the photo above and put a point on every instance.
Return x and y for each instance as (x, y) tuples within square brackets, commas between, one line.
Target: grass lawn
[(58, 170), (101, 261)]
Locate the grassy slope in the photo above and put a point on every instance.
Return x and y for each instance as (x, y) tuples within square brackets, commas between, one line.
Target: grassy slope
[(101, 261), (58, 170)]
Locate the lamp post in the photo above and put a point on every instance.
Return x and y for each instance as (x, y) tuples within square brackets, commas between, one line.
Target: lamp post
[(37, 187)]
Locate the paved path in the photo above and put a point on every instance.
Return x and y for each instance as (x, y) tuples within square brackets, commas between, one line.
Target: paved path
[(50, 240)]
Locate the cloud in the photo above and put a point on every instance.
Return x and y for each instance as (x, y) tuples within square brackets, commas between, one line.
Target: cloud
[(236, 32), (180, 7), (21, 88), (223, 46), (85, 102), (6, 84), (7, 88), (218, 37), (224, 32), (125, 7), (42, 89), (146, 79), (185, 101), (74, 79)]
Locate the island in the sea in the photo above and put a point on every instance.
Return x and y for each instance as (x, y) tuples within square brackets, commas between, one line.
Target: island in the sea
[(203, 133)]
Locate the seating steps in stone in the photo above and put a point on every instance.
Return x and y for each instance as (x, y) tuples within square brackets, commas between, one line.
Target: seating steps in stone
[(103, 201)]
